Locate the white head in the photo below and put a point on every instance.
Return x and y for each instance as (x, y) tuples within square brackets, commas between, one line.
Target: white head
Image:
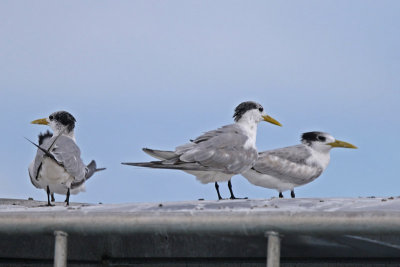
[(250, 111), (59, 121), (323, 142)]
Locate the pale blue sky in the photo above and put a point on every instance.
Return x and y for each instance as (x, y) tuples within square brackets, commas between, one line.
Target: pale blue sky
[(158, 73)]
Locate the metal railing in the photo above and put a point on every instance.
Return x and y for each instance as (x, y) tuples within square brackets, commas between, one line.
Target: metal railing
[(240, 222)]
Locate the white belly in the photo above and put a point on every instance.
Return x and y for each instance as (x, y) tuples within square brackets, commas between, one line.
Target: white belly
[(52, 174), (62, 189), (206, 177), (58, 188), (267, 181)]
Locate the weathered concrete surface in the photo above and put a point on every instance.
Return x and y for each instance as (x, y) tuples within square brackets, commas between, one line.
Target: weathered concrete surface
[(182, 243), (270, 205), (233, 217)]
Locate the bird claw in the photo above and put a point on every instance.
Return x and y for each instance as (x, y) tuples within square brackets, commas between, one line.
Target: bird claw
[(238, 197)]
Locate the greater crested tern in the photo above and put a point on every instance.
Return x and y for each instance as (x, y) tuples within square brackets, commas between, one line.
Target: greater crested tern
[(217, 155), (286, 168), (58, 167)]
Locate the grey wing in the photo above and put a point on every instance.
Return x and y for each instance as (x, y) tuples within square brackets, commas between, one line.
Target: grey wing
[(221, 149), (35, 167), (37, 164), (297, 154), (288, 164), (68, 154), (32, 175)]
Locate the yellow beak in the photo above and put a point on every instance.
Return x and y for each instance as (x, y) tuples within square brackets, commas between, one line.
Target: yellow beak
[(271, 120), (339, 143), (40, 121)]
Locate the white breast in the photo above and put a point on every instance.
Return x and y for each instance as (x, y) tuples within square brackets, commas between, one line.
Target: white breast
[(52, 174), (250, 130), (319, 158)]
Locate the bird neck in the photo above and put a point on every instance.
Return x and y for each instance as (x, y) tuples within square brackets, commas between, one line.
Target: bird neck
[(321, 155), (321, 148), (251, 125), (250, 128), (322, 158), (70, 134)]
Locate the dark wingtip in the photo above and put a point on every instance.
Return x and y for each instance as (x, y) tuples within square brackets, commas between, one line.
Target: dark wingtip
[(29, 141), (44, 151), (140, 164), (36, 145)]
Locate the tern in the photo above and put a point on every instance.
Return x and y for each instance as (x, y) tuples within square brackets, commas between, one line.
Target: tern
[(58, 167), (217, 155), (289, 167)]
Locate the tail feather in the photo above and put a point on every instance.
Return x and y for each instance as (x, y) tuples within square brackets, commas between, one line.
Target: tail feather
[(92, 168), (160, 154), (184, 166)]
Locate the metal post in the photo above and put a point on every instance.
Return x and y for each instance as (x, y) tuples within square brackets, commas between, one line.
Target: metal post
[(274, 249), (60, 249)]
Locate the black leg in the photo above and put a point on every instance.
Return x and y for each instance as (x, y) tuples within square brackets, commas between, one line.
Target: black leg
[(280, 195), (230, 189), (217, 188), (67, 199), (292, 194), (52, 197), (48, 197)]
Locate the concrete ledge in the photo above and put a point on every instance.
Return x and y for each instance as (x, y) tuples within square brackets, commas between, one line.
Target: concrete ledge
[(203, 233), (237, 217)]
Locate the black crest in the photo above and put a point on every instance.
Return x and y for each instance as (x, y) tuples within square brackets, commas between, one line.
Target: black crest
[(43, 136), (312, 136), (244, 107), (64, 118)]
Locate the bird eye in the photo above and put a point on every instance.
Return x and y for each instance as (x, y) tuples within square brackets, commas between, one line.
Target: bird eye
[(51, 117), (261, 109), (321, 138)]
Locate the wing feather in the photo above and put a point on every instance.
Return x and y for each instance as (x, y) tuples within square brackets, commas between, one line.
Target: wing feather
[(65, 152), (221, 149), (288, 164), (68, 153)]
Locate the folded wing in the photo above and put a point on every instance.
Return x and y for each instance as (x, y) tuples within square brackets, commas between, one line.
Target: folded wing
[(221, 149), (288, 164)]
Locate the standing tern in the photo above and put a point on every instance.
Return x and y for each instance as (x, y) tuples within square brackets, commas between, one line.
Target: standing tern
[(76, 187), (58, 167), (286, 168), (217, 155)]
